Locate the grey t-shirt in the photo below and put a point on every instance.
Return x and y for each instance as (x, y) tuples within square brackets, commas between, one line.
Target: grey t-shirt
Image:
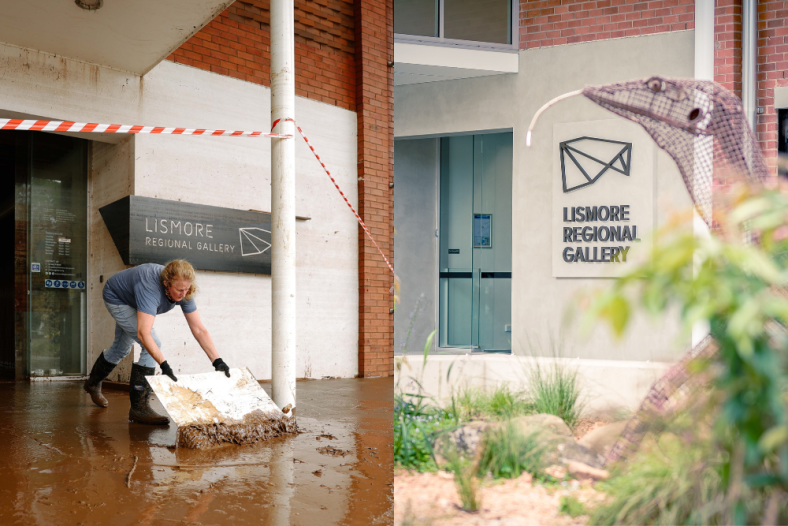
[(141, 287)]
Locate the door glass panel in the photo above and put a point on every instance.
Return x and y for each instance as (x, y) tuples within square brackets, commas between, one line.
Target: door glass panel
[(476, 242), (493, 197), (456, 254), (58, 254)]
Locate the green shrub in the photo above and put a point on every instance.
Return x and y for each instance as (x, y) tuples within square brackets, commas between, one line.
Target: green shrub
[(465, 479), (569, 505), (416, 425), (508, 453), (555, 389), (417, 422), (670, 481), (477, 404)]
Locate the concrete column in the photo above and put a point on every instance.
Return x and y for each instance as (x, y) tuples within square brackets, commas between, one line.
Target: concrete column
[(283, 233), (704, 70), (704, 39)]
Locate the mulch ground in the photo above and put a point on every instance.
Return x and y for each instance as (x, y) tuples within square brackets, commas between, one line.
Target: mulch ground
[(431, 499)]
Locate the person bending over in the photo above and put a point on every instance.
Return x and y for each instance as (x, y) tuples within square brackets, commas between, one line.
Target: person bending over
[(134, 297)]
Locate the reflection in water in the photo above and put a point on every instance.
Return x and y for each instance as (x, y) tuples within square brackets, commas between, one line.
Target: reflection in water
[(69, 463), (282, 476)]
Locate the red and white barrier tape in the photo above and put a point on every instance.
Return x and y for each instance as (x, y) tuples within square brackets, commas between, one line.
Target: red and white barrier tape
[(92, 127), (360, 221)]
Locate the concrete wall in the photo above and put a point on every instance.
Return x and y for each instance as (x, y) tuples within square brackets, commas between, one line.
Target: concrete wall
[(111, 178), (416, 191), (606, 386), (228, 172), (540, 302)]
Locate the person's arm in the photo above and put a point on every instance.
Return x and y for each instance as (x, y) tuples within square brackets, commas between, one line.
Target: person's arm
[(144, 326), (201, 334), (203, 337)]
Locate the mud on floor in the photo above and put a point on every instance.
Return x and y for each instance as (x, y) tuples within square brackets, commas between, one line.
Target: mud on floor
[(69, 462)]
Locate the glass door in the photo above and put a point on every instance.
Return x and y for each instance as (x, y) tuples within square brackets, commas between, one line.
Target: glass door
[(57, 255), (476, 242)]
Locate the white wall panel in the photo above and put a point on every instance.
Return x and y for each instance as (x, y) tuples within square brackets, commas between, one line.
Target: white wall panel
[(226, 172)]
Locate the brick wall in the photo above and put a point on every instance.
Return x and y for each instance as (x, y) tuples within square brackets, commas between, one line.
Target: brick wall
[(772, 72), (772, 61), (374, 34), (727, 44), (237, 43), (545, 23)]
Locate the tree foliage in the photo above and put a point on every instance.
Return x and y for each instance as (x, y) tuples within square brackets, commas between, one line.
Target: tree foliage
[(735, 280)]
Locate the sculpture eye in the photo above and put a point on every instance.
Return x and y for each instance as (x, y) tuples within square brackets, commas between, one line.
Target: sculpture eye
[(694, 115), (655, 85)]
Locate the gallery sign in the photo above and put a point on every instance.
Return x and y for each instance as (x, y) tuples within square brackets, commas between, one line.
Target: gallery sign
[(147, 230), (603, 192)]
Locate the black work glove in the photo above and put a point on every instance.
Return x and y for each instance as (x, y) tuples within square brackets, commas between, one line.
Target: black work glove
[(166, 369), (221, 367)]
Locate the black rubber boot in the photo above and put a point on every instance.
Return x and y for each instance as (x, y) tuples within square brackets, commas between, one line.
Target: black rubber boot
[(139, 394), (100, 371)]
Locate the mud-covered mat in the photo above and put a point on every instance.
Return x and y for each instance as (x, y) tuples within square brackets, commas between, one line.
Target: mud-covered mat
[(211, 409)]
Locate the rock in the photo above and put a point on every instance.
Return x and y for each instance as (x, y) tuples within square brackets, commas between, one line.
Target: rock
[(543, 423), (571, 451), (553, 436), (584, 471), (467, 440), (601, 439), (557, 439)]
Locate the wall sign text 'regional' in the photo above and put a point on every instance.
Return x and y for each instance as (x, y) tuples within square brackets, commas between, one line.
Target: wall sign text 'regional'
[(147, 230)]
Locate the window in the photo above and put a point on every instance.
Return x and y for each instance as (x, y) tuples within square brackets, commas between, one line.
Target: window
[(456, 21)]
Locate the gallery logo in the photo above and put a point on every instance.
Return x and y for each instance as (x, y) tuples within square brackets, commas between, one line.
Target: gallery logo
[(582, 161), (252, 242)]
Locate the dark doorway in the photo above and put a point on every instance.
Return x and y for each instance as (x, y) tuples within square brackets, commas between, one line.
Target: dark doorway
[(7, 231), (43, 269)]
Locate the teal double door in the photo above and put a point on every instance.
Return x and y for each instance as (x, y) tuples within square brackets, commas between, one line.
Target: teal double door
[(475, 274)]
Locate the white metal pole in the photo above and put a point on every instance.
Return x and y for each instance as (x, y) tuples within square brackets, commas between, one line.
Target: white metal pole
[(749, 60), (283, 234)]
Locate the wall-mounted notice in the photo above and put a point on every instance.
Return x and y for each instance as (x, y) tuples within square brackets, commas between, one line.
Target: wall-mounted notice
[(482, 230), (147, 230), (603, 197)]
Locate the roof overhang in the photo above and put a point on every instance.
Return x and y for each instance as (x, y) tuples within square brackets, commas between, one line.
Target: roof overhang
[(417, 63), (128, 35)]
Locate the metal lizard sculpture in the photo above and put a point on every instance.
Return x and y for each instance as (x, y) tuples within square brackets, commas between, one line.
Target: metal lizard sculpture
[(702, 126)]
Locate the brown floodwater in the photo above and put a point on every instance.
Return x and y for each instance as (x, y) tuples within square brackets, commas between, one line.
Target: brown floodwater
[(66, 461)]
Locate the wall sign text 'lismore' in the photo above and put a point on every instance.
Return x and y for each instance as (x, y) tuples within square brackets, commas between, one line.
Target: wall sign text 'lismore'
[(147, 230)]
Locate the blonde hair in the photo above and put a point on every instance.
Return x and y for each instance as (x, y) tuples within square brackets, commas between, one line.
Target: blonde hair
[(180, 269)]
